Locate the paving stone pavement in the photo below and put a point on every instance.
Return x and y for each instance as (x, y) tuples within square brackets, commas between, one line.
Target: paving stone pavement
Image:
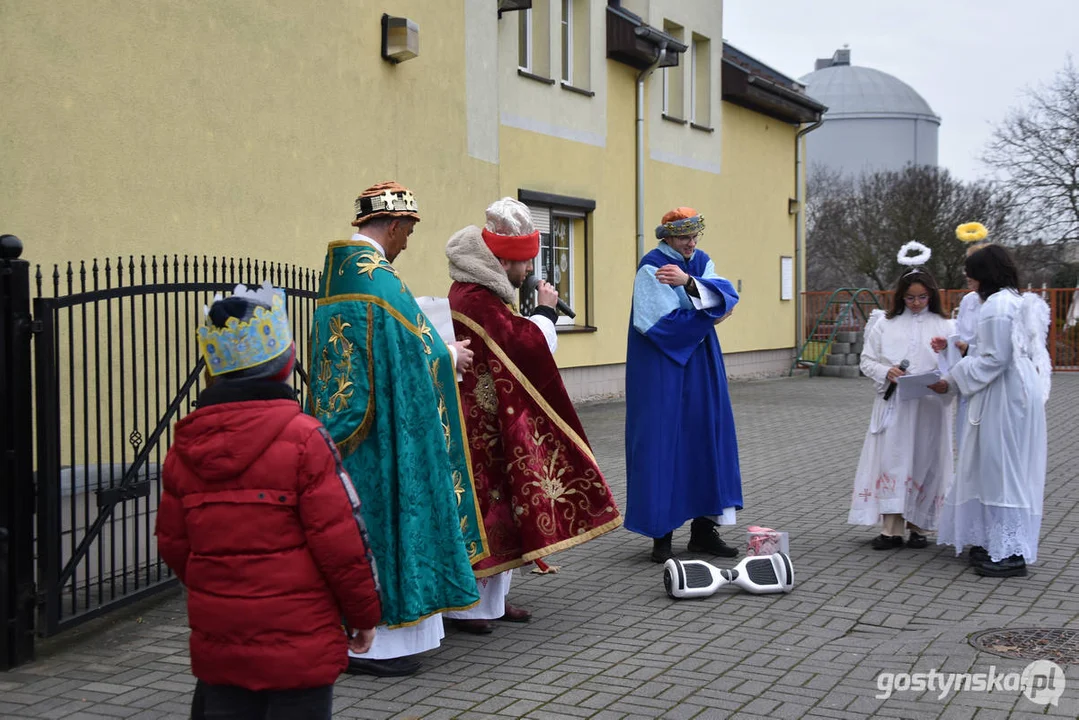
[(606, 642)]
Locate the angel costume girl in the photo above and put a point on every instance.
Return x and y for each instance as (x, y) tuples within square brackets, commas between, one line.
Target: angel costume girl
[(966, 320), (996, 503), (905, 468)]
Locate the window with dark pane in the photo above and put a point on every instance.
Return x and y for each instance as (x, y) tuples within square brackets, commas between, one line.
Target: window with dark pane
[(562, 259)]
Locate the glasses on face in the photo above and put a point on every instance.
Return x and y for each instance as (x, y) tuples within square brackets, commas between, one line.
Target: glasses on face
[(916, 298)]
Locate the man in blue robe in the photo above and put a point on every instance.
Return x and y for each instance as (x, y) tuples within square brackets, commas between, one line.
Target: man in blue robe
[(681, 448)]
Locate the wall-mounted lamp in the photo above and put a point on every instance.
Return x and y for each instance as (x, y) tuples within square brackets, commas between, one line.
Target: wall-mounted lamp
[(400, 39)]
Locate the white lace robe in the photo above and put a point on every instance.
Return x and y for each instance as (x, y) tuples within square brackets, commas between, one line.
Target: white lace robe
[(996, 501), (906, 462)]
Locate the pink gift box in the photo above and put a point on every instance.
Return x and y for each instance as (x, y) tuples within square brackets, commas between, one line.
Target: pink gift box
[(766, 541)]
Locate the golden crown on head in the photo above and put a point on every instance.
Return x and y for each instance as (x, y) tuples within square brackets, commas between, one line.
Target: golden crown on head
[(244, 344)]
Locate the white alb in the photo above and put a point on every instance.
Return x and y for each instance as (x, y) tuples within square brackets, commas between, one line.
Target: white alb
[(906, 461)]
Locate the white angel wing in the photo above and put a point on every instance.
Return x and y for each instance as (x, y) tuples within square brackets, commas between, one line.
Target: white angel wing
[(1029, 333), (874, 317)]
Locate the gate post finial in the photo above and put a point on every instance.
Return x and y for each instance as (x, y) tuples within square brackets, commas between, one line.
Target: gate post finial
[(10, 247)]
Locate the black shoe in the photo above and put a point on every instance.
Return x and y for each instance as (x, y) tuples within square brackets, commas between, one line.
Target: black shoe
[(887, 542), (1014, 566), (917, 541), (394, 667), (661, 548), (515, 614), (978, 555), (473, 627), (704, 538)]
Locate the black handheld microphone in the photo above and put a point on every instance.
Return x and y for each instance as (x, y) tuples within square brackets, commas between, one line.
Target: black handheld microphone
[(891, 388), (532, 282)]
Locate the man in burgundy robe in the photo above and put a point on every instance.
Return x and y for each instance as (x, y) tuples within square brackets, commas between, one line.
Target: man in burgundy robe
[(538, 485)]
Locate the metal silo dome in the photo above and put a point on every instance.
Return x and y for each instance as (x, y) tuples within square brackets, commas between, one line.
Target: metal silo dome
[(875, 121), (851, 91)]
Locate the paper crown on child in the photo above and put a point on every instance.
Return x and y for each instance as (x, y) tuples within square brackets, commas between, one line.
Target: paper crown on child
[(258, 338), (680, 222), (971, 232)]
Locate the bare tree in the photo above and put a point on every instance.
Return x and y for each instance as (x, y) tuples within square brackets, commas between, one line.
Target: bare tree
[(855, 229), (827, 193), (1037, 147)]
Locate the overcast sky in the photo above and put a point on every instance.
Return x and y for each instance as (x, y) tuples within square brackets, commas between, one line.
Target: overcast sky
[(970, 59)]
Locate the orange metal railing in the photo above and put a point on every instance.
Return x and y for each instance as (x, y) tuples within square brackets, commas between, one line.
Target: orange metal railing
[(1063, 342)]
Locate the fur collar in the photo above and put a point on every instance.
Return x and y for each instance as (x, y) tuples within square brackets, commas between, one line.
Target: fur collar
[(471, 261)]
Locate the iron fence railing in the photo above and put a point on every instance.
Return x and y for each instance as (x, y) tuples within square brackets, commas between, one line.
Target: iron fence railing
[(116, 365), (1063, 341)]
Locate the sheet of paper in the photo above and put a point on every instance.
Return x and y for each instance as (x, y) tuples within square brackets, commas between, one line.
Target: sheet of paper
[(948, 358), (437, 310), (912, 387)]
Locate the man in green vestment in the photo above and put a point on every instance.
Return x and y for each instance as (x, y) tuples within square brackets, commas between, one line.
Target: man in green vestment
[(384, 384)]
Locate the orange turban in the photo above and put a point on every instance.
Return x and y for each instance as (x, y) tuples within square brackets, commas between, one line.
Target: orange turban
[(680, 222)]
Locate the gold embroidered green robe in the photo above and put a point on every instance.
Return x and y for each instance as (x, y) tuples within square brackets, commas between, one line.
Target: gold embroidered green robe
[(384, 385)]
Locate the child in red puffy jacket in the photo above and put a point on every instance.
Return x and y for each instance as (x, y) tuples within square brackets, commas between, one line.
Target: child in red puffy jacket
[(260, 522)]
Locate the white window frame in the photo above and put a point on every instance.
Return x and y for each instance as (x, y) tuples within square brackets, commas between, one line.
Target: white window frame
[(553, 213), (528, 42), (570, 218), (567, 41), (666, 80), (693, 80)]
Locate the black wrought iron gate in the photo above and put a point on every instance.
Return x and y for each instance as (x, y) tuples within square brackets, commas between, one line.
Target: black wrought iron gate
[(16, 461), (115, 365)]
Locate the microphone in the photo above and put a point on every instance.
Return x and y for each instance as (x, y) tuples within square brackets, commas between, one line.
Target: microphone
[(891, 388), (532, 282)]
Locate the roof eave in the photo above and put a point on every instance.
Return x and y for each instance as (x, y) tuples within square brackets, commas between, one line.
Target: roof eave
[(632, 41), (882, 115), (753, 92)]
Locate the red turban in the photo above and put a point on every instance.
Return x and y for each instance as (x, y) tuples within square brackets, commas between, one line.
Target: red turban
[(512, 247)]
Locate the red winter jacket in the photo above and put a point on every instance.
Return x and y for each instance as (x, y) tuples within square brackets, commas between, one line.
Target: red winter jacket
[(260, 521)]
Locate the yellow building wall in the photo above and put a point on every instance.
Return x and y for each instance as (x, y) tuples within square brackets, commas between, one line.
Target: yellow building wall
[(605, 174), (747, 223), (247, 129), (228, 127), (745, 207)]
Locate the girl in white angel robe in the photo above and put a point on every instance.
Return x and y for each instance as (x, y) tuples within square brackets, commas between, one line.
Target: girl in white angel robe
[(996, 503), (966, 326), (905, 469)]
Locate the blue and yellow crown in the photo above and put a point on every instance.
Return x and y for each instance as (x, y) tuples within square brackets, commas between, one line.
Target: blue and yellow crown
[(681, 228), (244, 344)]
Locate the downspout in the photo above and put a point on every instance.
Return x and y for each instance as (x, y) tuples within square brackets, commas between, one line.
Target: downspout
[(640, 145), (799, 239)]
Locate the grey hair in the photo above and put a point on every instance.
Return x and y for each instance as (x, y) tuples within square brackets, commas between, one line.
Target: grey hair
[(509, 217)]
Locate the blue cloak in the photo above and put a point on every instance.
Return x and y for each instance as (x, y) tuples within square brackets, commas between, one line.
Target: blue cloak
[(681, 448)]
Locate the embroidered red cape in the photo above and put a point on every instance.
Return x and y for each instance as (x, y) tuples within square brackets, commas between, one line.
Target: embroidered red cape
[(538, 485)]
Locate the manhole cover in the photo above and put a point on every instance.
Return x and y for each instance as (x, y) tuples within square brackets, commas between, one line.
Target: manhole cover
[(1061, 645)]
